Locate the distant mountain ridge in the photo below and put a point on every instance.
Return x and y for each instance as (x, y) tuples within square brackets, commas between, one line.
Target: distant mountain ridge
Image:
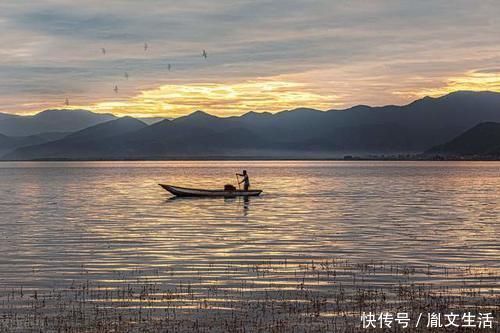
[(481, 140), (4, 116), (51, 121), (84, 144), (8, 143), (298, 133)]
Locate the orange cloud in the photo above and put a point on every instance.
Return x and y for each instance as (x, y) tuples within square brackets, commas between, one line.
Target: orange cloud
[(223, 99), (471, 80)]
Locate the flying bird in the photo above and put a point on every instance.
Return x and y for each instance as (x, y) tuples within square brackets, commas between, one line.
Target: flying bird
[(103, 50), (145, 46), (126, 75), (116, 89), (204, 54)]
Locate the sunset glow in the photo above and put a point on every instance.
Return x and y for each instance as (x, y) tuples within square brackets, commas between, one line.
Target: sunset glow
[(473, 80), (270, 95), (219, 99), (260, 56), (249, 166)]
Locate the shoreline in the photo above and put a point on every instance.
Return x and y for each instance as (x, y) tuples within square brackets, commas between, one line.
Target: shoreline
[(264, 158)]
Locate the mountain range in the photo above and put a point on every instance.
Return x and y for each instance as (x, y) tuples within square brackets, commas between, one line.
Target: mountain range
[(8, 143), (481, 140), (298, 133), (50, 121)]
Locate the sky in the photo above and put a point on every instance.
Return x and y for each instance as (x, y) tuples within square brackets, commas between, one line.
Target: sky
[(262, 55)]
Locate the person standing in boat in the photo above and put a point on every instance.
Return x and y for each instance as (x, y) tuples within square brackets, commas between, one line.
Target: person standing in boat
[(245, 181)]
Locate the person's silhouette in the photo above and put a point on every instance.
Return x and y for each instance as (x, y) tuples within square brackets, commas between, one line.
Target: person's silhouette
[(245, 181)]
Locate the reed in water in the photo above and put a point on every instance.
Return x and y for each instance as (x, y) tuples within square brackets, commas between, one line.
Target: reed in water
[(273, 296)]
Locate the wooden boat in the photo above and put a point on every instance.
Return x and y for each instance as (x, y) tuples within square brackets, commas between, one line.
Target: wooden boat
[(192, 192)]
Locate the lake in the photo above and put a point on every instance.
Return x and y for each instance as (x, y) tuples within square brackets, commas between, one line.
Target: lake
[(99, 227)]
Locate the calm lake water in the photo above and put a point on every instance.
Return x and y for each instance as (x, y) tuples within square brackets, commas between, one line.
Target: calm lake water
[(109, 221)]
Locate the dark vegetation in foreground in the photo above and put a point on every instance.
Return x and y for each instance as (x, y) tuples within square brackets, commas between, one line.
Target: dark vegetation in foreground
[(327, 296)]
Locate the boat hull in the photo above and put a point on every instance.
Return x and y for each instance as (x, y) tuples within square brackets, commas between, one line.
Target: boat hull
[(192, 192)]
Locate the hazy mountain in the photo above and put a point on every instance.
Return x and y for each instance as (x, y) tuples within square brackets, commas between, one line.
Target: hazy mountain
[(51, 121), (151, 120), (411, 128), (92, 142), (10, 143), (481, 140), (4, 116)]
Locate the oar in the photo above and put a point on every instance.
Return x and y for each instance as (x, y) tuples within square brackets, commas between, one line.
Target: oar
[(238, 182)]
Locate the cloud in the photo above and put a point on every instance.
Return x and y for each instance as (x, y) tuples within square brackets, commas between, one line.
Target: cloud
[(489, 71), (376, 52), (222, 99)]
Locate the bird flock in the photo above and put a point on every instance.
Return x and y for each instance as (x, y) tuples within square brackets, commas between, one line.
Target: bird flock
[(204, 54)]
